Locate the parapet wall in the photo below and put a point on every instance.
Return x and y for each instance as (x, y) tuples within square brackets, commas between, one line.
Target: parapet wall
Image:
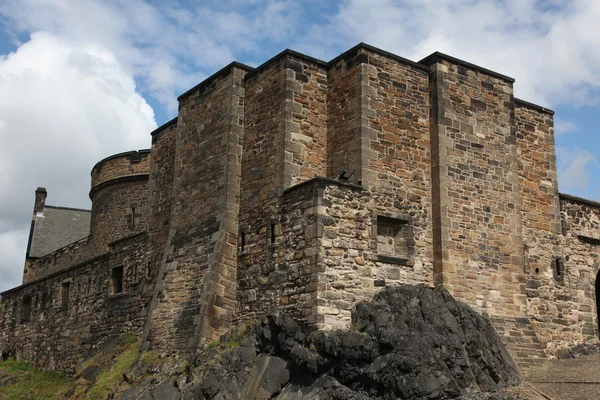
[(130, 163), (37, 324)]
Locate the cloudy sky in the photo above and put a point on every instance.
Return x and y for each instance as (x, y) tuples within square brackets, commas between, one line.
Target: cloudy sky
[(83, 79)]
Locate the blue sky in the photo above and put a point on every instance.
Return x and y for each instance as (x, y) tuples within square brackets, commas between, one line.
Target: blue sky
[(83, 79)]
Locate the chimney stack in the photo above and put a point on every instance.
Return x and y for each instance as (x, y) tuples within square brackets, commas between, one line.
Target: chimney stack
[(40, 200)]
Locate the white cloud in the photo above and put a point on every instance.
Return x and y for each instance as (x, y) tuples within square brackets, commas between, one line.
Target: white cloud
[(63, 107), (551, 48), (574, 170), (562, 126)]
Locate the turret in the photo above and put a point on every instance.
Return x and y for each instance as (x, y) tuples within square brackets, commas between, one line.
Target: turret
[(119, 197)]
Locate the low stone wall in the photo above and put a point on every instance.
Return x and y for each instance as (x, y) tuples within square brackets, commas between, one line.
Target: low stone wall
[(51, 328), (562, 296)]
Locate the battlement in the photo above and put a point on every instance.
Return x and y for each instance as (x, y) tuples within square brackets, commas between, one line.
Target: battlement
[(127, 166)]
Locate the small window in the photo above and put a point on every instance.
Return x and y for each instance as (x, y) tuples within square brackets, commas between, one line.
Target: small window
[(133, 217), (116, 280), (559, 269), (394, 237), (26, 314), (243, 241), (148, 269), (65, 292), (272, 233)]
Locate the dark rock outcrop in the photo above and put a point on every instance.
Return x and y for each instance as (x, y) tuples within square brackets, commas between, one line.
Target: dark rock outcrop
[(408, 342)]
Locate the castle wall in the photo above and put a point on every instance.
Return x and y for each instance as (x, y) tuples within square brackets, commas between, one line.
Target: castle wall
[(395, 169), (478, 246), (62, 258), (562, 299), (305, 116), (160, 190), (118, 210), (344, 117), (282, 271), (57, 336), (194, 297)]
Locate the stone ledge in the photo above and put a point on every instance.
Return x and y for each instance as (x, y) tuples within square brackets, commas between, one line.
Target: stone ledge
[(321, 180), (534, 106), (437, 56), (130, 154), (120, 179), (164, 126), (387, 259), (57, 273), (579, 200), (220, 73)]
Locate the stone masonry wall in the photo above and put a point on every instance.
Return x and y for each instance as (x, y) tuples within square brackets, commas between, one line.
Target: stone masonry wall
[(479, 251), (118, 210), (281, 270), (119, 165), (305, 120), (352, 269), (160, 190), (540, 211), (58, 336), (194, 296), (343, 117), (395, 168), (62, 258), (562, 300)]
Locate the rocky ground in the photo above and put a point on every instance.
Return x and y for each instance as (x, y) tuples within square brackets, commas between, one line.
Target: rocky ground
[(408, 342)]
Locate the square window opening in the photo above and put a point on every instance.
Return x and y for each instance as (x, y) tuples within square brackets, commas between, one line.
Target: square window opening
[(394, 237), (116, 280), (65, 292), (26, 315)]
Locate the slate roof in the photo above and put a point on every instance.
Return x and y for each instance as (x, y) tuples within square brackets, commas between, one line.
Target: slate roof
[(57, 227)]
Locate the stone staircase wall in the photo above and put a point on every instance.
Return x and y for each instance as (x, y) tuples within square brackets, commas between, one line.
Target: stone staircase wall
[(521, 340)]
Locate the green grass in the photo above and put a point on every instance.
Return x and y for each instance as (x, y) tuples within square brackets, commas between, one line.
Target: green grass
[(111, 377), (32, 384)]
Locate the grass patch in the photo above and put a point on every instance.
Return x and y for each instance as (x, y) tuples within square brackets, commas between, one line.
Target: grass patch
[(111, 377), (32, 384)]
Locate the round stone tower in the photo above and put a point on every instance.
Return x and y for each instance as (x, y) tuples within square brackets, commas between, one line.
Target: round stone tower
[(119, 197)]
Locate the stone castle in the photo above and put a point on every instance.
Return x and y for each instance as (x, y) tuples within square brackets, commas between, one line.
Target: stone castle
[(308, 186)]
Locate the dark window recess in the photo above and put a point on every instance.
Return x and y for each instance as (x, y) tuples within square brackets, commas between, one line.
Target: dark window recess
[(43, 301), (133, 217), (89, 287), (394, 237), (272, 233), (243, 241), (116, 280), (26, 315), (559, 269), (65, 291), (148, 270)]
